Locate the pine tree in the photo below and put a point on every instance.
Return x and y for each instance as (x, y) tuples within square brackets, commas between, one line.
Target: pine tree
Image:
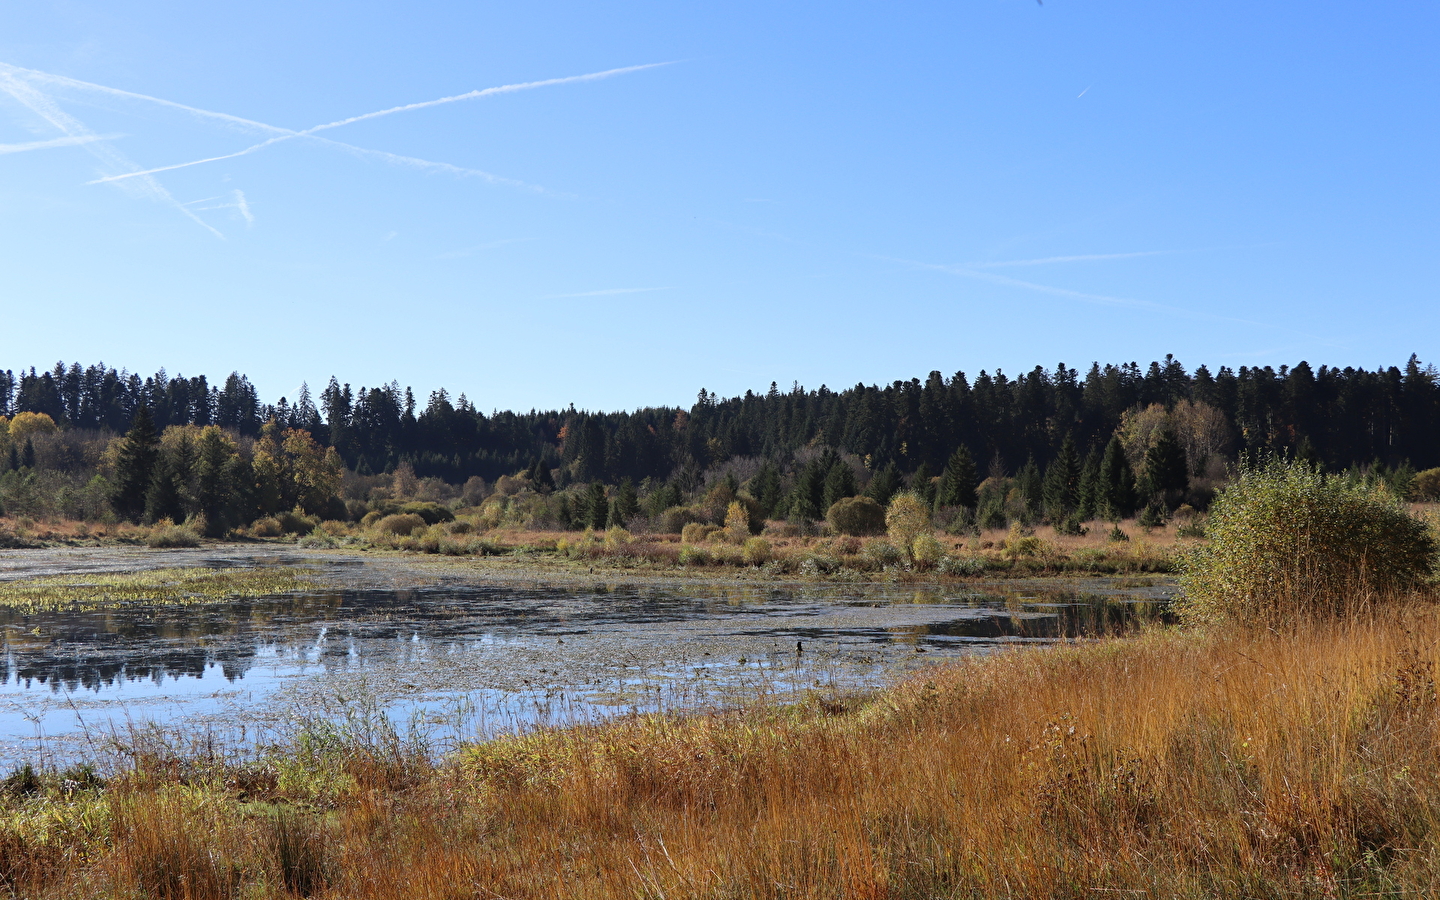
[(884, 485), (14, 461), (626, 505), (924, 484), (164, 498), (1088, 502), (1062, 483), (1166, 471), (765, 486), (541, 478), (596, 506), (214, 489), (839, 484), (1031, 485), (1116, 483), (957, 482), (135, 466), (27, 458)]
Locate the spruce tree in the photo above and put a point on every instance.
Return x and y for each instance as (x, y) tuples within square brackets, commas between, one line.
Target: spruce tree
[(626, 505), (884, 485), (541, 478), (1116, 483), (839, 484), (14, 461), (214, 490), (924, 484), (1062, 483), (1088, 501), (164, 498), (1031, 485), (765, 486), (957, 482), (135, 466), (1166, 470), (596, 506), (27, 458)]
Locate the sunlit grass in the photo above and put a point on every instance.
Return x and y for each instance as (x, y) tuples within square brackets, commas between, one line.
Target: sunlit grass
[(172, 586)]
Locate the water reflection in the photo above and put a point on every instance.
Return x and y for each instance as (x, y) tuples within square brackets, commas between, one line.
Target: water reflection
[(620, 646)]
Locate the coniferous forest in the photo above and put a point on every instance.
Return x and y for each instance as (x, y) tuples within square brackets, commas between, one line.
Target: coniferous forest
[(91, 442)]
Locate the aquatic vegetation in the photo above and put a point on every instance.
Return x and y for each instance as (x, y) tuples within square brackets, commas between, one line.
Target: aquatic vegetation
[(173, 585)]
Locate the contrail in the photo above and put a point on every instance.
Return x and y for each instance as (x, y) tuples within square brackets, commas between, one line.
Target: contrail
[(45, 108), (286, 134), (57, 142), (1094, 257)]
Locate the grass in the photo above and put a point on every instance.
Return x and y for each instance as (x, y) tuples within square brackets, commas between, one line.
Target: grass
[(1178, 763), (170, 586)]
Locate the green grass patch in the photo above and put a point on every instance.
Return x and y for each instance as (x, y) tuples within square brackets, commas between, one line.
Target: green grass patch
[(174, 586)]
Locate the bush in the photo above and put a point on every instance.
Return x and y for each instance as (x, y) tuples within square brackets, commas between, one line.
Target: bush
[(400, 524), (927, 551), (857, 516), (883, 554), (1287, 541), (757, 551), (993, 518), (166, 536), (371, 518), (697, 532), (269, 526), (1426, 485), (674, 519), (691, 555), (907, 517), (296, 522)]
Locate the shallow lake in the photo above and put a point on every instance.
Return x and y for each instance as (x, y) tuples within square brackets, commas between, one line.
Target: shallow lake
[(448, 655)]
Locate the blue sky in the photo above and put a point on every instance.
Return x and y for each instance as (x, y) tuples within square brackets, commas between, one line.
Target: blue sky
[(823, 193)]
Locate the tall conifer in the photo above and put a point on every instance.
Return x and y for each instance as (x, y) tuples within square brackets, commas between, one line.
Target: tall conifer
[(957, 482), (135, 466)]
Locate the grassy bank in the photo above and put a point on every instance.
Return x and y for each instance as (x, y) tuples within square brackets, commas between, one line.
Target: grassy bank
[(170, 586), (1304, 763)]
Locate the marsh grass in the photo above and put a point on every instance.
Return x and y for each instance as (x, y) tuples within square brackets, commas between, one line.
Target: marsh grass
[(171, 586), (1222, 763)]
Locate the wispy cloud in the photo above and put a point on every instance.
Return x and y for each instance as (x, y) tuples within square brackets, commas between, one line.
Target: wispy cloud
[(58, 142), (237, 202), (44, 107), (607, 292), (286, 134), (1093, 257)]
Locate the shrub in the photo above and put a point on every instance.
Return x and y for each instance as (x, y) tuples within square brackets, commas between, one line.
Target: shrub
[(993, 518), (166, 536), (856, 516), (371, 518), (269, 526), (1426, 485), (737, 521), (432, 513), (691, 555), (615, 536), (756, 551), (296, 522), (907, 517), (926, 551), (400, 524), (962, 566), (1018, 544), (1285, 541), (697, 532), (676, 518), (883, 553), (1116, 536)]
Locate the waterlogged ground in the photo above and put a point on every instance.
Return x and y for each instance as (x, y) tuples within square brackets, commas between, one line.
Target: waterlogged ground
[(457, 650)]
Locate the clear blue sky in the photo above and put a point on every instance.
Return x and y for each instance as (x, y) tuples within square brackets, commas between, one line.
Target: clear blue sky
[(821, 192)]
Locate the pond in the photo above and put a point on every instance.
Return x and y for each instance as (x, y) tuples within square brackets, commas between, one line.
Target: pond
[(448, 655)]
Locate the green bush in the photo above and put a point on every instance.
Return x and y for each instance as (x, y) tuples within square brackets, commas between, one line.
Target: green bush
[(1426, 485), (696, 532), (1287, 541), (927, 551), (883, 554), (856, 516), (757, 551), (400, 524), (166, 535), (694, 556), (674, 519)]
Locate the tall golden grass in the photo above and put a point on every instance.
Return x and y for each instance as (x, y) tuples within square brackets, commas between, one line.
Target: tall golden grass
[(1256, 763)]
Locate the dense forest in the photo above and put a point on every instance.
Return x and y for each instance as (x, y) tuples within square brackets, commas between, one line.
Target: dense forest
[(944, 436)]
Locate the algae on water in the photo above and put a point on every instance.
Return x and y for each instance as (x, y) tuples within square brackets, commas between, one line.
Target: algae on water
[(176, 585)]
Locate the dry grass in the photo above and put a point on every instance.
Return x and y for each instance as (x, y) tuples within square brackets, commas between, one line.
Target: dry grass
[(1173, 764)]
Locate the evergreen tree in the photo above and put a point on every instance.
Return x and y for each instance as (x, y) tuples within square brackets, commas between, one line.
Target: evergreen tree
[(134, 466), (27, 459), (1031, 485), (1166, 471), (1062, 483), (957, 482), (1115, 489), (14, 461), (626, 505), (809, 490), (1088, 502), (924, 484), (597, 506), (165, 497), (214, 488), (884, 484), (765, 487), (839, 484), (541, 478)]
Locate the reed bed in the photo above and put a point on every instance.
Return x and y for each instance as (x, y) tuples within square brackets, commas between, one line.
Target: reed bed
[(1176, 763), (192, 584)]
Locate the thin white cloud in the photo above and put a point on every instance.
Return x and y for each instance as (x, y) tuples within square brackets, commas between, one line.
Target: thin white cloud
[(244, 206), (286, 134), (1094, 257), (606, 293), (44, 107), (58, 142)]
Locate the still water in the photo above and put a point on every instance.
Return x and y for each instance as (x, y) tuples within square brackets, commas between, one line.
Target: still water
[(453, 659)]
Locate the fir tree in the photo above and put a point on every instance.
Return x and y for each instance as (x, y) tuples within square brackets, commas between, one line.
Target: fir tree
[(884, 485), (839, 484), (957, 482), (1166, 471), (765, 487), (14, 461), (164, 499), (135, 466), (596, 506), (27, 458), (1062, 483), (214, 488), (1087, 504), (1031, 485), (541, 478), (924, 484), (1116, 483), (626, 505)]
